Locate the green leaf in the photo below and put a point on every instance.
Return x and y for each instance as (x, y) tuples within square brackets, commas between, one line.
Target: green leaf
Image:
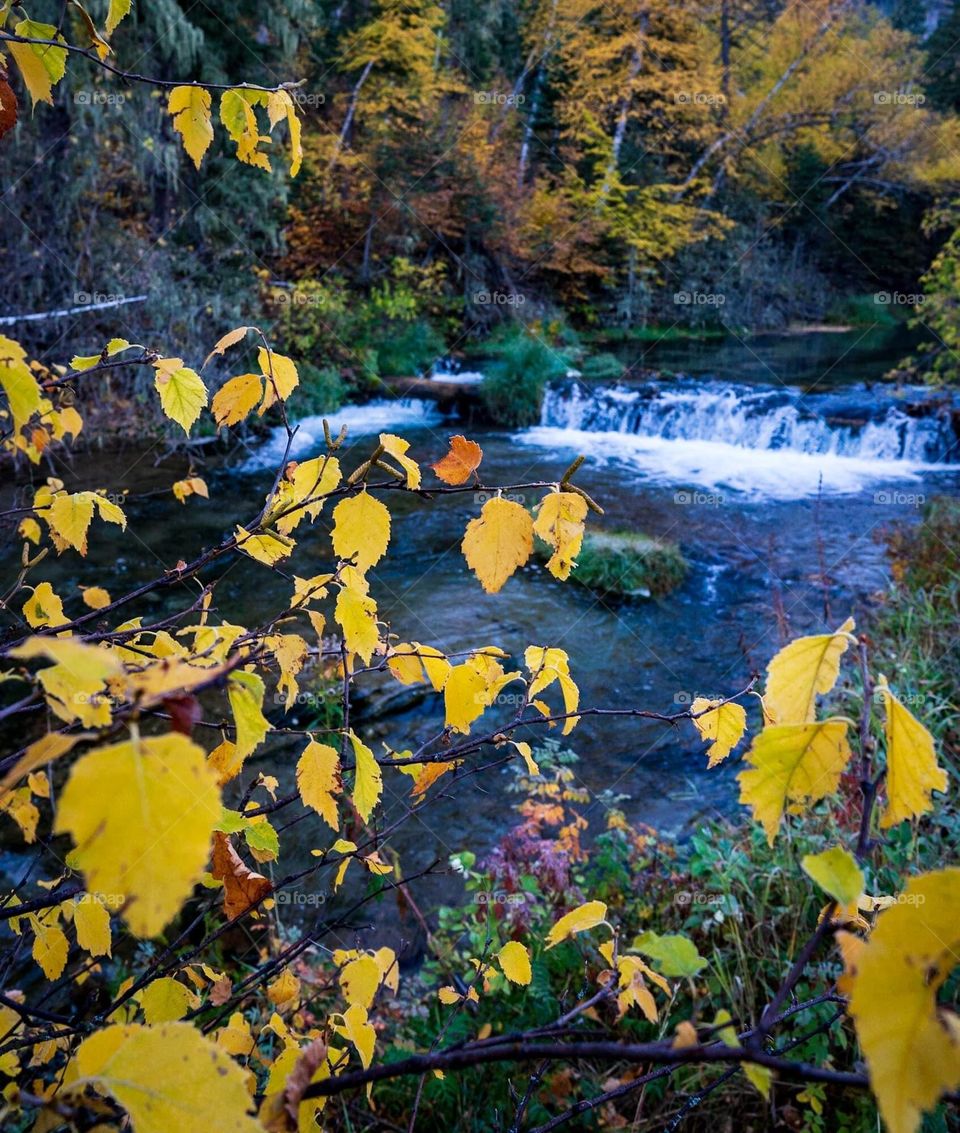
[(837, 874), (674, 955)]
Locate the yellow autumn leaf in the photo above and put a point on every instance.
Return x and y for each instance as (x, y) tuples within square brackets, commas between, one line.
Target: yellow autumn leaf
[(41, 65), (308, 480), (281, 106), (182, 392), (44, 607), (397, 447), (836, 872), (165, 1000), (245, 692), (91, 921), (141, 814), (353, 1026), (96, 597), (166, 1077), (19, 384), (472, 687), (912, 768), (223, 344), (117, 10), (265, 547), (361, 530), (723, 723), (356, 615), (449, 995), (50, 947), (192, 486), (801, 671), (69, 517), (368, 779), (318, 781), (911, 1047), (281, 377), (792, 765), (515, 962), (190, 107), (235, 398), (498, 542), (359, 980), (546, 665), (560, 520), (238, 115), (581, 919)]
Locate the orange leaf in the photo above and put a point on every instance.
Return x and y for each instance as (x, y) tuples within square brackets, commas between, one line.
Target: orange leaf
[(241, 886), (463, 458)]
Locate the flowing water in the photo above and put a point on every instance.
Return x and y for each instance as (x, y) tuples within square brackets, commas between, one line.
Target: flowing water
[(779, 500)]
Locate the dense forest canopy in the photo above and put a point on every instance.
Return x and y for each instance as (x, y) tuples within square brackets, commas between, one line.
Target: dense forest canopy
[(562, 157)]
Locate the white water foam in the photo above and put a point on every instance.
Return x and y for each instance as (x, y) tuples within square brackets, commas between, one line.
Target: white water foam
[(716, 467), (458, 377), (773, 443), (360, 420)]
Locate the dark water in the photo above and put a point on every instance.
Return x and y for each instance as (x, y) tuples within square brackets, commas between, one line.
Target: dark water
[(761, 566), (811, 360)]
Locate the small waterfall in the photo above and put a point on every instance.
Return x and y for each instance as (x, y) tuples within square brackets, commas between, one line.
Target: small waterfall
[(381, 416), (863, 424)]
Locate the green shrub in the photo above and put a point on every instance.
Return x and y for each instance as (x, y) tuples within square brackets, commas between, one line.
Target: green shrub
[(522, 365), (601, 368), (408, 349), (321, 390), (625, 564)]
